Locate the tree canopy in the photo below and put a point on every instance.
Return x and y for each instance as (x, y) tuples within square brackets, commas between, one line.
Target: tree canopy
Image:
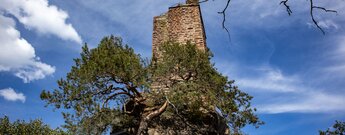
[(112, 88), (337, 129), (20, 127)]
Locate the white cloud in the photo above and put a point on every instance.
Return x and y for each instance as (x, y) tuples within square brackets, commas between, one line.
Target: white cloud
[(134, 18), (37, 70), (269, 80), (41, 17), (309, 102), (307, 89), (325, 24), (328, 24), (337, 56), (18, 56), (279, 93), (10, 95), (266, 15), (294, 95), (338, 52)]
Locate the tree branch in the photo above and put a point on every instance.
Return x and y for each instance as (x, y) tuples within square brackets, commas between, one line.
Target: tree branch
[(312, 7), (133, 89), (110, 88), (145, 121), (114, 95), (172, 105), (288, 10), (157, 112), (324, 9), (203, 1), (224, 17)]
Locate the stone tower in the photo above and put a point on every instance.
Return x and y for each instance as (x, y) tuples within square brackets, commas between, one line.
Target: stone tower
[(181, 23), (192, 1)]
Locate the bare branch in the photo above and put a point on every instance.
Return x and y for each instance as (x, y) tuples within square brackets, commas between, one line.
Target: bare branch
[(326, 10), (149, 109), (312, 7), (157, 112), (109, 90), (288, 10), (224, 17), (133, 89), (203, 1), (172, 105)]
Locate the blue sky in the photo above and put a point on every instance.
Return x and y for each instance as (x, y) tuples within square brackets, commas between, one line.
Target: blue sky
[(295, 73)]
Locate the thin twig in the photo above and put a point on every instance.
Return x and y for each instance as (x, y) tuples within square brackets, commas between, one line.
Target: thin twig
[(177, 113), (224, 18), (203, 1), (288, 10), (166, 97), (324, 9)]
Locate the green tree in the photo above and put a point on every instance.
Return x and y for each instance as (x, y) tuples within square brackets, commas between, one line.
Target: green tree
[(337, 129), (20, 127), (111, 87)]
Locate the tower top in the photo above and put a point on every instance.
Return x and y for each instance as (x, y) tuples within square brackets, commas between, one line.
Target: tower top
[(192, 1), (182, 23)]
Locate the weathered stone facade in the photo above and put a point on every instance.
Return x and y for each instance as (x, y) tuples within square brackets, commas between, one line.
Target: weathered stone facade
[(181, 23)]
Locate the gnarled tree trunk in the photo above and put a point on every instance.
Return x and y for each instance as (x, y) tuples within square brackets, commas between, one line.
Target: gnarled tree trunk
[(144, 122)]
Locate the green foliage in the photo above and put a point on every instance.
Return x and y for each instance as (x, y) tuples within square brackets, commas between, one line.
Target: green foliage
[(98, 77), (20, 127), (337, 129), (195, 87), (111, 87)]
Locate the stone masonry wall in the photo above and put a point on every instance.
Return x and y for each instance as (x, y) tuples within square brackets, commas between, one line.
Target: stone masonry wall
[(160, 33), (192, 1), (181, 23)]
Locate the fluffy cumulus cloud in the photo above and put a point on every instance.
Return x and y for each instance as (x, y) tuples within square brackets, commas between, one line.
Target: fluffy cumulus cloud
[(18, 56), (38, 15), (11, 95)]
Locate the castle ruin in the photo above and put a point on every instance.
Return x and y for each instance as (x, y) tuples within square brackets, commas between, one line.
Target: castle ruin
[(180, 24)]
